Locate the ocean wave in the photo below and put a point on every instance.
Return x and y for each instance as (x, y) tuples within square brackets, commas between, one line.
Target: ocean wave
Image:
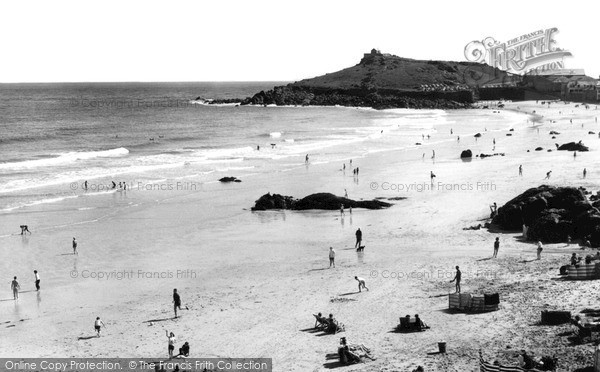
[(65, 158)]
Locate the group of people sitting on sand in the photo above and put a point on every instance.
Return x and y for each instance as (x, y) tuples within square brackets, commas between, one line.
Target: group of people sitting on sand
[(353, 353), (408, 324), (329, 325), (575, 261)]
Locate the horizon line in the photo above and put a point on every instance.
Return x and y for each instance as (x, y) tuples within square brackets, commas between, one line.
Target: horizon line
[(146, 82)]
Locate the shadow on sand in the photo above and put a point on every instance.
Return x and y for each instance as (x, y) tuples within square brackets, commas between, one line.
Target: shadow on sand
[(158, 320), (333, 361), (86, 338), (321, 269)]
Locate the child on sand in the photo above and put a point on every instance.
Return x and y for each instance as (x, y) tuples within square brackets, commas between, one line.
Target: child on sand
[(98, 325), (361, 284), (496, 247), (37, 280), (540, 248), (172, 340), (331, 257)]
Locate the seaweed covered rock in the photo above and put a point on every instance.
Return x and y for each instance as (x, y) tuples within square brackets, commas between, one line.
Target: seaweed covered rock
[(323, 201), (573, 146), (466, 154), (229, 179), (275, 201)]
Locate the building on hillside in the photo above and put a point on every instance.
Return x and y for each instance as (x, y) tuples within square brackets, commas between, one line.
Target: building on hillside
[(569, 85)]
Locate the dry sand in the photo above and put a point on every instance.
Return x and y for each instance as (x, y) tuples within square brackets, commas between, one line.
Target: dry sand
[(254, 289)]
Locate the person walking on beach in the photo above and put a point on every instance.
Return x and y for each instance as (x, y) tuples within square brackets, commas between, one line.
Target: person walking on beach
[(177, 302), (14, 285), (457, 278), (331, 257), (98, 324), (306, 159), (24, 229), (361, 283), (37, 280), (540, 248), (342, 210), (584, 172), (172, 340), (496, 247), (548, 175), (75, 246), (431, 175), (358, 238), (521, 170)]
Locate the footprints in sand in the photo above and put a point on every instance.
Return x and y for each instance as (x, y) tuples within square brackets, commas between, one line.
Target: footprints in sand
[(13, 325)]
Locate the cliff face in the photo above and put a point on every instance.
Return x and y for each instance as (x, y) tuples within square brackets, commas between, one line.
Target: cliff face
[(386, 81)]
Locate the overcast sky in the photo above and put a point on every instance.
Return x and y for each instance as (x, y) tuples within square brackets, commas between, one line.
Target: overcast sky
[(71, 41)]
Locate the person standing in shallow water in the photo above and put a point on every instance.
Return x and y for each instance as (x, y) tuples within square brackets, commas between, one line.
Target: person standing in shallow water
[(457, 278), (74, 246), (358, 238)]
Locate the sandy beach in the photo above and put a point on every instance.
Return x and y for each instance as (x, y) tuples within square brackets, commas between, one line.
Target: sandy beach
[(252, 290)]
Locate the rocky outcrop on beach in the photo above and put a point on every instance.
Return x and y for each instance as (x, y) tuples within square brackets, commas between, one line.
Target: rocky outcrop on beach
[(292, 95), (573, 146), (229, 179), (483, 155), (323, 201), (552, 214), (466, 154)]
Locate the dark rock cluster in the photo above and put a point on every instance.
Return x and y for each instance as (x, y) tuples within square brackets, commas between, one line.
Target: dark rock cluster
[(552, 214), (573, 146), (324, 201)]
